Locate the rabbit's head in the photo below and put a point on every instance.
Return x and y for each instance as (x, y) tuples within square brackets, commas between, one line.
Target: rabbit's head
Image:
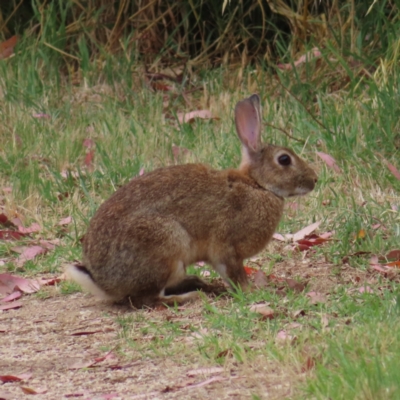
[(274, 168)]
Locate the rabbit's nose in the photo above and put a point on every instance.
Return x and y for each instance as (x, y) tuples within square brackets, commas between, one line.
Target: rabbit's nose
[(315, 180)]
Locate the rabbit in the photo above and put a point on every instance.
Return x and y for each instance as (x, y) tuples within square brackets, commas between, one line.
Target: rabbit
[(140, 241)]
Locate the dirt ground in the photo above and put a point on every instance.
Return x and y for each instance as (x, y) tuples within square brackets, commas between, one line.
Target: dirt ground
[(54, 339)]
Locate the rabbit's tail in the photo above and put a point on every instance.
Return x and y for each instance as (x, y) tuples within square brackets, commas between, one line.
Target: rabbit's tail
[(79, 274)]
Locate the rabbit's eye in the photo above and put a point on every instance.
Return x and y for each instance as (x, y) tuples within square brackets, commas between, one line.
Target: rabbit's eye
[(284, 159)]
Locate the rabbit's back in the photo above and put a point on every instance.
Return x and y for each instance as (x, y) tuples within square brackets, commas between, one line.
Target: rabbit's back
[(211, 206)]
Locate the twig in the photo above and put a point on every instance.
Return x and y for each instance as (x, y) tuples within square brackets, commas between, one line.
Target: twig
[(285, 132)]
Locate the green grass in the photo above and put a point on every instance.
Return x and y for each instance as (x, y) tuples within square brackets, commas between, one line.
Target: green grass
[(352, 338)]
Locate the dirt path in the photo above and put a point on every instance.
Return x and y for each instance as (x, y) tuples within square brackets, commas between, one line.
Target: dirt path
[(53, 339)]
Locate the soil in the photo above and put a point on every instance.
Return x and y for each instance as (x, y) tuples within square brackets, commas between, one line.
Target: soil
[(63, 342)]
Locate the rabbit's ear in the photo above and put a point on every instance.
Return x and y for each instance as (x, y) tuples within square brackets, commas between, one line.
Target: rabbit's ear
[(248, 122)]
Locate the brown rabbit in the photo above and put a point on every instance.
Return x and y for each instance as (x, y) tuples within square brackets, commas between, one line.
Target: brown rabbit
[(143, 237)]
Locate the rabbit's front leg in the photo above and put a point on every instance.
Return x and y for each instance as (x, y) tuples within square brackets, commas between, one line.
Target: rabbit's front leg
[(232, 271)]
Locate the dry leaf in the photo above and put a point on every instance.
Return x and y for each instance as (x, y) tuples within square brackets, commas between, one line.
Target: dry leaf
[(310, 55), (204, 371), (394, 170), (35, 227), (260, 279), (329, 161), (28, 390), (65, 221), (264, 310), (301, 234), (7, 47), (190, 116), (316, 297)]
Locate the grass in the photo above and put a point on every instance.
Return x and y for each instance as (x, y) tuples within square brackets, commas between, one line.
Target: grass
[(343, 348)]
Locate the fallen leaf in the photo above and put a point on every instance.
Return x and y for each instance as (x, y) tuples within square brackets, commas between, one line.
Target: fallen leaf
[(191, 116), (65, 221), (394, 170), (29, 253), (283, 335), (208, 381), (179, 152), (89, 158), (316, 297), (84, 333), (329, 161), (264, 310), (205, 371), (41, 115), (11, 235), (7, 47), (260, 279), (16, 282), (89, 143), (51, 281), (295, 285), (28, 390), (249, 270), (15, 378), (278, 236), (35, 227), (308, 365), (381, 269), (5, 221), (301, 234), (11, 306), (365, 289), (13, 296), (393, 255), (361, 234), (310, 55)]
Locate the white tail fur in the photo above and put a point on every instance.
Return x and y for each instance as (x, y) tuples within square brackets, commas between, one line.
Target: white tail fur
[(85, 281)]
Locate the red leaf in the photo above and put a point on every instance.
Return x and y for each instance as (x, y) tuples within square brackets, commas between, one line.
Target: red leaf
[(89, 158), (15, 378), (50, 282), (16, 282), (11, 235), (41, 115), (394, 170), (35, 227), (7, 47), (329, 161), (10, 306), (29, 253), (249, 270), (12, 296), (393, 255), (89, 143)]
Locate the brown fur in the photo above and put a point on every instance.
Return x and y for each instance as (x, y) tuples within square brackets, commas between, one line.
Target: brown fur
[(142, 238)]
